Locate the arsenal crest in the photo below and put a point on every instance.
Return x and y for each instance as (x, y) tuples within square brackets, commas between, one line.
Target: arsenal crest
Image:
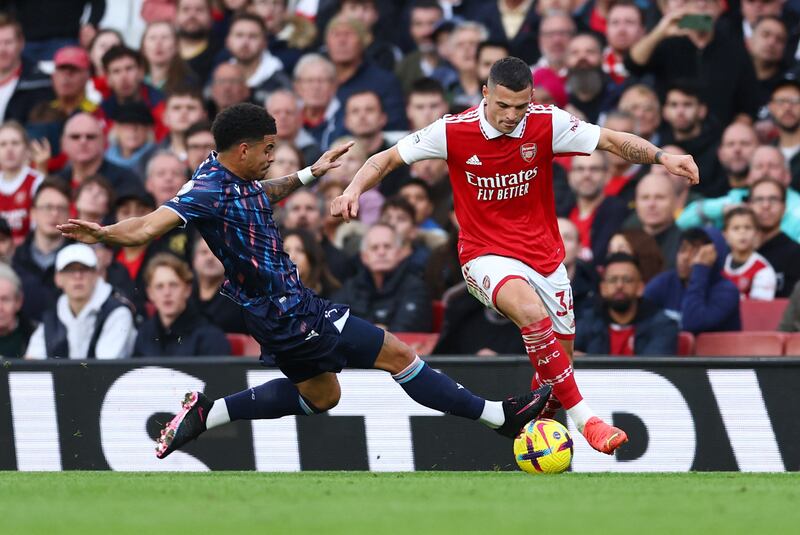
[(486, 282), (528, 151)]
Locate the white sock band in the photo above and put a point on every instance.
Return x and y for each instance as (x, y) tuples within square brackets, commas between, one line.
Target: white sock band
[(218, 414), (492, 415)]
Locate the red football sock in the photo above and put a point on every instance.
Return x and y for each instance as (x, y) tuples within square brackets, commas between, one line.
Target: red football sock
[(551, 362)]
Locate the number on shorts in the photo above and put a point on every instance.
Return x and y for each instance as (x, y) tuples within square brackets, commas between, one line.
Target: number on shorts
[(562, 300)]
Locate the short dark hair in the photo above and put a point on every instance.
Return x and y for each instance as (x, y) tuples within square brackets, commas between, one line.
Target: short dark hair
[(768, 180), (103, 183), (185, 91), (365, 92), (241, 123), (512, 73), (688, 87), (396, 201), (489, 43), (53, 182), (426, 86), (203, 125), (628, 3), (255, 19), (121, 51), (427, 4), (695, 236), (774, 18), (421, 183), (739, 211), (621, 258)]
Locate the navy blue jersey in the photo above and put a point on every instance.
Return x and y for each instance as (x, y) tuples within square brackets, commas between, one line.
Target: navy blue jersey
[(234, 216)]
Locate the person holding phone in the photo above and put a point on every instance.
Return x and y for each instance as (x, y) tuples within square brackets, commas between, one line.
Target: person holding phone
[(688, 43)]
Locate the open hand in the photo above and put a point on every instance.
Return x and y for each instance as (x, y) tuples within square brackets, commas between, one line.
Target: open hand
[(82, 231), (681, 165), (328, 161)]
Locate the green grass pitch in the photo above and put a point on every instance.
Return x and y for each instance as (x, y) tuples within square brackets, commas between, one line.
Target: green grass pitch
[(416, 503)]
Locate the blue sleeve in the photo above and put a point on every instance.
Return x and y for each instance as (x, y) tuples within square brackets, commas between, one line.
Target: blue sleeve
[(655, 290), (703, 308), (663, 339), (196, 200)]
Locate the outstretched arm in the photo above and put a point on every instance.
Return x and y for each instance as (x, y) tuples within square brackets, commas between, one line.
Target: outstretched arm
[(637, 150), (280, 188), (133, 231), (371, 173)]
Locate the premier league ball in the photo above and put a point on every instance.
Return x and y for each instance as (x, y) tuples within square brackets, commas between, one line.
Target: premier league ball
[(543, 447)]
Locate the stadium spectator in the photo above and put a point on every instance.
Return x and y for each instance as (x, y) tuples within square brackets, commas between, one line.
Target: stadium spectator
[(655, 208), (590, 89), (90, 321), (549, 88), (744, 267), (436, 174), (315, 84), (425, 102), (289, 32), (399, 214), (683, 193), (18, 181), (303, 211), (685, 118), (206, 295), (695, 293), (183, 107), (716, 59), (487, 54), (556, 28), (642, 103), (513, 23), (386, 291), (199, 144), (346, 40), (286, 109), (34, 259), (624, 175), (94, 199), (752, 12), (287, 160), (768, 201), (247, 43), (465, 91), (165, 70), (623, 322), (351, 162), (228, 87), (625, 25), (582, 275), (423, 60), (165, 176), (100, 44), (379, 51), (596, 216), (7, 245), (83, 142), (307, 255), (784, 107), (418, 193), (365, 119), (15, 329), (767, 47), (175, 330), (643, 247), (124, 69), (22, 85), (195, 42), (69, 80), (131, 137), (735, 151), (790, 321)]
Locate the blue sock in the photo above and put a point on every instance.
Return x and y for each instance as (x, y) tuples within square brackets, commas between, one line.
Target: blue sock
[(273, 399), (437, 391)]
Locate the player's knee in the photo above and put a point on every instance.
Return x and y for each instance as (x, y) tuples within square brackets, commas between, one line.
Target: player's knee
[(527, 313), (396, 356), (325, 400)]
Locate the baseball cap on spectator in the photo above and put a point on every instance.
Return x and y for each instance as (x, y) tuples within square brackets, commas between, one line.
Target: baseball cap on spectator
[(72, 56), (133, 113), (550, 81), (133, 191), (77, 253)]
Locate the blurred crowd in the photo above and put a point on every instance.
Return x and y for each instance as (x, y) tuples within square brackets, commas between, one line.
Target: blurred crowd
[(106, 110)]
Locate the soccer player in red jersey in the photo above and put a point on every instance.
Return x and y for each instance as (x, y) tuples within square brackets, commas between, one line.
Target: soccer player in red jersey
[(500, 159)]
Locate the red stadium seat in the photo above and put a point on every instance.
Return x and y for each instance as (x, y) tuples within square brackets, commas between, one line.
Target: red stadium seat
[(762, 315), (438, 316), (243, 345), (422, 343), (792, 345), (685, 344), (740, 344)]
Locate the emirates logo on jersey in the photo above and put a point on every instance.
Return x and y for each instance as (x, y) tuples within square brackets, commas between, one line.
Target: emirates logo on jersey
[(528, 151)]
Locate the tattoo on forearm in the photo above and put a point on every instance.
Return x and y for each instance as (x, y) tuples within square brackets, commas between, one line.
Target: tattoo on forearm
[(372, 163), (635, 152), (279, 188)]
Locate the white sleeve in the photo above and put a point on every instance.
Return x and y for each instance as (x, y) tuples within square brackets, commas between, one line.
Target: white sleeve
[(36, 347), (572, 136), (118, 331), (764, 283), (430, 143)]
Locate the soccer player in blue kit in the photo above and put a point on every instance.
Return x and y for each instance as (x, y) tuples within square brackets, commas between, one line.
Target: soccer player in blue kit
[(310, 338)]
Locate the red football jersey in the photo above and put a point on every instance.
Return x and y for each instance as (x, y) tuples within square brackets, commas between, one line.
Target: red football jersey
[(16, 197), (755, 279), (503, 183)]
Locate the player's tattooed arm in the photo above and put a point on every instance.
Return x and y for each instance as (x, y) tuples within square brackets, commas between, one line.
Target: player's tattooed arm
[(278, 189)]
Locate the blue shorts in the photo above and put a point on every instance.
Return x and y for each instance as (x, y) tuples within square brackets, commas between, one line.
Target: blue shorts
[(315, 337)]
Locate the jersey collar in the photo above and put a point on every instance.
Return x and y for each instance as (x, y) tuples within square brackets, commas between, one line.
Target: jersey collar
[(490, 132)]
